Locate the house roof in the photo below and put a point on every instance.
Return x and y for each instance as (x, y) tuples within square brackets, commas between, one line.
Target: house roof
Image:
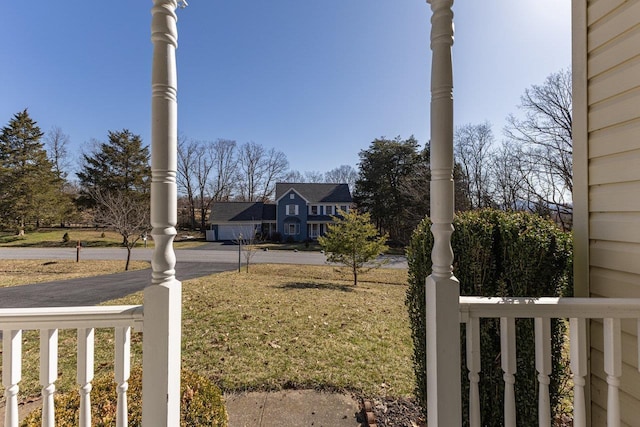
[(269, 212), (237, 211), (316, 192)]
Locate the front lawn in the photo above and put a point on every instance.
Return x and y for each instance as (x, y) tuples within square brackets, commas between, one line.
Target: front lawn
[(88, 237), (300, 327), (279, 327), (15, 272)]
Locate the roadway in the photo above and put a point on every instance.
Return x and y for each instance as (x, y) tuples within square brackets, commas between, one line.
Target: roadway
[(191, 263)]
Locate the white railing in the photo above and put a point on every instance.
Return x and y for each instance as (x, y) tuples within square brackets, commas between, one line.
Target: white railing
[(48, 321), (578, 311)]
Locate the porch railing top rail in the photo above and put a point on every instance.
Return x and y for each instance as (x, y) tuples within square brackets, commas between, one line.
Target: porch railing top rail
[(549, 307), (72, 317)]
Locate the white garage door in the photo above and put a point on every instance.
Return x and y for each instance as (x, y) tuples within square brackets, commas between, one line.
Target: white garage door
[(231, 232)]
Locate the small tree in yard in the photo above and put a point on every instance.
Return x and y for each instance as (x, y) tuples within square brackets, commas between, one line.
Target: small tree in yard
[(352, 240), (246, 244), (124, 212)]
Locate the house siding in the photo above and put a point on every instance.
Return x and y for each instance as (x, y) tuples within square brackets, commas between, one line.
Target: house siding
[(611, 119), (300, 218)]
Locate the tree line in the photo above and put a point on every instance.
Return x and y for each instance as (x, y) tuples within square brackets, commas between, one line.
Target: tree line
[(112, 183), (530, 169)]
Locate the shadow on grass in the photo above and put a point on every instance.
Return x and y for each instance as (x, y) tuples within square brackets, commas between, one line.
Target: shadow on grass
[(315, 285)]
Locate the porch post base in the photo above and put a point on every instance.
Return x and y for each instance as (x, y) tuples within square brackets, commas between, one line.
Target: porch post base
[(161, 354), (444, 406)]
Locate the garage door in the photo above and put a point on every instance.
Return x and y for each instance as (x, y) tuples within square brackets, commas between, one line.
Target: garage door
[(231, 232)]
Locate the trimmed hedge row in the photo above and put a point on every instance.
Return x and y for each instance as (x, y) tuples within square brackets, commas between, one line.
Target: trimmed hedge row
[(497, 254), (202, 403)]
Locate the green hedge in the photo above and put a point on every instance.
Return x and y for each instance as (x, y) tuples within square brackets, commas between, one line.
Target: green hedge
[(497, 254), (201, 405)]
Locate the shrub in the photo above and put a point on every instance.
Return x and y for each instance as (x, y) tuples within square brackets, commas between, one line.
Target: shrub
[(201, 405), (496, 254), (276, 237), (66, 238)]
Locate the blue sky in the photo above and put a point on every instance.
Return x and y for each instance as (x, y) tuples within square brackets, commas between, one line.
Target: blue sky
[(318, 80)]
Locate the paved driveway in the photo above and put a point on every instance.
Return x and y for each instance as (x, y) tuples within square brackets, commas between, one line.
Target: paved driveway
[(95, 290)]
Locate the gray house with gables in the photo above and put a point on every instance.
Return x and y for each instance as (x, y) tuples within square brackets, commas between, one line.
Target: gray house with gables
[(301, 211)]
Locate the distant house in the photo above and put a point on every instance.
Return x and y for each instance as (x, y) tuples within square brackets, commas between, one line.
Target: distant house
[(301, 211), (231, 220)]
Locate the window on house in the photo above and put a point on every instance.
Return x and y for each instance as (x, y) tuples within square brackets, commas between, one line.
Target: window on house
[(314, 230), (292, 196), (314, 209), (328, 210), (292, 229), (291, 210), (343, 208)]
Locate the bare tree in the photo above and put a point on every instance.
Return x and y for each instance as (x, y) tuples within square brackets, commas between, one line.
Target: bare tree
[(546, 141), (343, 174), (57, 143), (247, 245), (206, 173), (250, 163), (509, 180), (314, 176), (276, 166), (473, 143), (260, 169), (187, 157), (125, 212), (203, 166), (295, 176), (224, 169)]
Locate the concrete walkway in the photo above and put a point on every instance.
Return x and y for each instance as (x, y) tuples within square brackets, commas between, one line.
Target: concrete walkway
[(293, 408)]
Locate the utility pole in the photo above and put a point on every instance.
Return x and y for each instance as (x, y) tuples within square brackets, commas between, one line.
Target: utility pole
[(239, 252)]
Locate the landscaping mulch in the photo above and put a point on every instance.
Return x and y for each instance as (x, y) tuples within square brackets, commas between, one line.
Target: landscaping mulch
[(393, 412)]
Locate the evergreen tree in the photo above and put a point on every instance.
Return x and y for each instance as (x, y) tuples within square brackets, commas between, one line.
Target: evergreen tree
[(387, 169), (29, 188), (116, 180), (121, 164), (353, 241)]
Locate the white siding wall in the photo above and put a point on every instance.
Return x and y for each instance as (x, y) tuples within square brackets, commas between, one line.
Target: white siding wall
[(613, 168)]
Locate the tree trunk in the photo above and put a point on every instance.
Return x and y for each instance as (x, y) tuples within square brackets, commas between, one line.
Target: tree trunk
[(126, 266)]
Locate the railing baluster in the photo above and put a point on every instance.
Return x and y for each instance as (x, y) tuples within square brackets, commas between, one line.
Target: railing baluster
[(508, 359), (122, 371), (543, 366), (48, 373), (85, 373), (578, 363), (11, 374), (473, 365), (613, 369)]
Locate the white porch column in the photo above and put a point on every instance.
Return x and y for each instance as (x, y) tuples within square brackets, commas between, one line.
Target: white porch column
[(162, 298), (442, 288)]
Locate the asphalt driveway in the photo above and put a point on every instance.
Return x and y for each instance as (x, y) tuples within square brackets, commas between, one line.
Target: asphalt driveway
[(90, 291)]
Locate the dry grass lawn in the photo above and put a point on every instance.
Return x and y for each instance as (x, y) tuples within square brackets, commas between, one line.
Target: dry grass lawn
[(300, 327), (22, 272)]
